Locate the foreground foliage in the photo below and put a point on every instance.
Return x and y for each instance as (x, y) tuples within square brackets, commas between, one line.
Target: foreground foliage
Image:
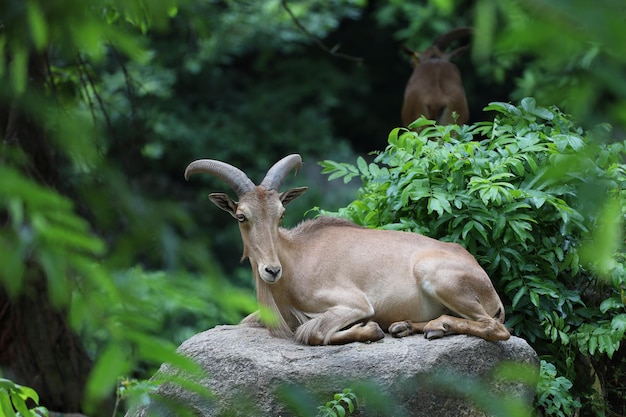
[(13, 398), (541, 204), (100, 109), (338, 405)]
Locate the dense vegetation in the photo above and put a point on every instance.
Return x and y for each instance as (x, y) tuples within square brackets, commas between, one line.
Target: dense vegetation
[(541, 204), (108, 259)]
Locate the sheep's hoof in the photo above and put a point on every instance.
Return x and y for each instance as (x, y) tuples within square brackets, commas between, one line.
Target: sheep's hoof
[(401, 329), (376, 333), (434, 334)]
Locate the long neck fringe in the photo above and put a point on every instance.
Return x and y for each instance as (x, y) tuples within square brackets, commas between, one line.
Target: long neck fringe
[(265, 298)]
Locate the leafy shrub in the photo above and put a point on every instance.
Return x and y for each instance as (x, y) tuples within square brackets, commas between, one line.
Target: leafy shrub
[(337, 406), (129, 319), (13, 398), (553, 392), (537, 200)]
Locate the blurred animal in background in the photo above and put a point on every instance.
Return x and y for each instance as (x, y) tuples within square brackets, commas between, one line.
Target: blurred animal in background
[(435, 90)]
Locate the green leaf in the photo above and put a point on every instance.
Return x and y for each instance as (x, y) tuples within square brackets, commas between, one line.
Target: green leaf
[(518, 295), (362, 165), (480, 228), (5, 404), (7, 384), (468, 226), (159, 350), (19, 404), (28, 393), (18, 70), (610, 303), (348, 401), (534, 298), (112, 364), (392, 138), (573, 141), (336, 174), (528, 104), (593, 345), (521, 229), (502, 107), (375, 171), (38, 27), (538, 201), (341, 412), (439, 204), (618, 324), (543, 113), (499, 226), (421, 122)]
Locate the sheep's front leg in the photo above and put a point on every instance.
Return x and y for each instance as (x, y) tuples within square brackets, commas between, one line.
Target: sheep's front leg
[(368, 331), (339, 325)]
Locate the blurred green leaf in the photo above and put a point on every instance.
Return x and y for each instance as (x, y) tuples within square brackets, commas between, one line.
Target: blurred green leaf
[(113, 362), (38, 26)]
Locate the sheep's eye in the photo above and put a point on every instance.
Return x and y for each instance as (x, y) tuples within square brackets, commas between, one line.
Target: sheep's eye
[(241, 218)]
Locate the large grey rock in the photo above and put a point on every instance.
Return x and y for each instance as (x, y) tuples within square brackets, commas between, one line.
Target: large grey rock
[(252, 373)]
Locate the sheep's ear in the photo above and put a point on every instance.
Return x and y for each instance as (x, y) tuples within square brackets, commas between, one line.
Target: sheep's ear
[(224, 202), (415, 56), (290, 195)]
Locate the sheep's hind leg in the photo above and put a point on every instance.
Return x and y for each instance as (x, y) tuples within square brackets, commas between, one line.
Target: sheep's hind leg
[(483, 326), (476, 309)]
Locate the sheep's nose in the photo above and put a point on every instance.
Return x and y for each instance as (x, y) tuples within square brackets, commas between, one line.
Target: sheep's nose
[(274, 271), (270, 273)]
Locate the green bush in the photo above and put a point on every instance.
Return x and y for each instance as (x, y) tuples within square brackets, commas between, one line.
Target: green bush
[(553, 392), (537, 200), (13, 399), (337, 406)]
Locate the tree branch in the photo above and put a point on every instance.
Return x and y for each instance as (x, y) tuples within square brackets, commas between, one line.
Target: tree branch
[(92, 84), (331, 51)]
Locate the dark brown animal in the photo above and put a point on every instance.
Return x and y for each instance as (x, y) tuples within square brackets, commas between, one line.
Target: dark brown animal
[(435, 90)]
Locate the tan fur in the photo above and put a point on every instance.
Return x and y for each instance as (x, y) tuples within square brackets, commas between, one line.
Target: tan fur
[(338, 275), (329, 281)]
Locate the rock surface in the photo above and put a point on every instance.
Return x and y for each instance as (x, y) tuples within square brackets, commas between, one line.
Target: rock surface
[(254, 374)]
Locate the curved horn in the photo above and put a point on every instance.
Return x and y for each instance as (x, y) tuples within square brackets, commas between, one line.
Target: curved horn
[(446, 39), (277, 173), (233, 176)]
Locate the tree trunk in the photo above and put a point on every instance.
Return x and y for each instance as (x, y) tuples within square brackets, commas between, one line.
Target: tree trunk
[(38, 348)]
